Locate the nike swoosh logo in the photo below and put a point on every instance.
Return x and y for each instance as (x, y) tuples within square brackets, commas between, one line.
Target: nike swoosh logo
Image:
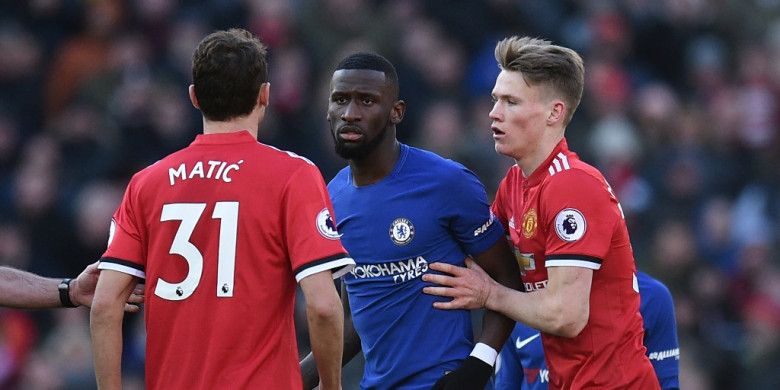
[(522, 343)]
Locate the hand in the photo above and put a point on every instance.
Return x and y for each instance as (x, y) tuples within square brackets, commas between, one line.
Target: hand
[(473, 374), (82, 290), (469, 288)]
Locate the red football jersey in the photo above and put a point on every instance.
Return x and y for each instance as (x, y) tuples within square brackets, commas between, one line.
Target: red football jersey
[(221, 231), (565, 214)]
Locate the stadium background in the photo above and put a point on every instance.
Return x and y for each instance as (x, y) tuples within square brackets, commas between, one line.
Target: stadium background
[(681, 113)]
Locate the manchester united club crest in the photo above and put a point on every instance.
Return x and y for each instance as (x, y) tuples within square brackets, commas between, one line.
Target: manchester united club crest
[(529, 223), (401, 231)]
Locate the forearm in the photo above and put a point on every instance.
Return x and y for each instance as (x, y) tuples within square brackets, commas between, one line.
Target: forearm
[(351, 348), (23, 289), (106, 328), (325, 335), (105, 322), (539, 309), (499, 263)]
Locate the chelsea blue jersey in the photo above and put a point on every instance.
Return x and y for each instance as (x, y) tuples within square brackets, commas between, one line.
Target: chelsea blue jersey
[(428, 209), (521, 364)]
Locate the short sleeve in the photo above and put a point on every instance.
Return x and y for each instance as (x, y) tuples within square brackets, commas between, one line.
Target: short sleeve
[(580, 214), (313, 243), (470, 218), (660, 332), (126, 249)]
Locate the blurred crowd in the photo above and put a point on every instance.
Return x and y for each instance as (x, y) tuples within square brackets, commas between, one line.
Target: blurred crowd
[(681, 113)]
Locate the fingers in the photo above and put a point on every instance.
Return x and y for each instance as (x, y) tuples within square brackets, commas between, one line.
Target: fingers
[(471, 264), (447, 268), (130, 308), (440, 291), (453, 304), (136, 298), (439, 279)]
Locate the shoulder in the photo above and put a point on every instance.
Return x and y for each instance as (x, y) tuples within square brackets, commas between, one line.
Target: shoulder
[(339, 182), (284, 156), (446, 171), (580, 179), (652, 290)]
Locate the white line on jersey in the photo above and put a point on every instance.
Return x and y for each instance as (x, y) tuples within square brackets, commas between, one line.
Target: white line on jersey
[(559, 163)]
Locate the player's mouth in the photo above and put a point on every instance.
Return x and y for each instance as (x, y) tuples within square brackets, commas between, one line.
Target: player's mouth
[(496, 132), (350, 133)]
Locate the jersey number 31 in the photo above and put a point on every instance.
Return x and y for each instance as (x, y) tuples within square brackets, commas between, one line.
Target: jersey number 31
[(189, 214)]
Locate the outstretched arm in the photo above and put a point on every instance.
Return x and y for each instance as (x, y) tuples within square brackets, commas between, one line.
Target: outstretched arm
[(22, 289), (351, 346), (82, 290), (326, 327), (562, 308), (25, 290), (500, 265)]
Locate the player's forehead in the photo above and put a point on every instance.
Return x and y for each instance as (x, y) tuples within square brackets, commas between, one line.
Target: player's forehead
[(358, 80), (510, 84)]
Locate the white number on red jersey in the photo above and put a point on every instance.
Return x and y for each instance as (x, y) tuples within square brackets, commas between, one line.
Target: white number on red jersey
[(189, 214)]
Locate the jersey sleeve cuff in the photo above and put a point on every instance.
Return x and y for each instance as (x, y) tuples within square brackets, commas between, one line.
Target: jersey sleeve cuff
[(583, 261), (339, 264), (123, 266), (485, 353)]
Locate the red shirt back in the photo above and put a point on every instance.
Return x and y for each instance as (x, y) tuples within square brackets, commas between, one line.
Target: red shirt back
[(565, 214), (221, 230)]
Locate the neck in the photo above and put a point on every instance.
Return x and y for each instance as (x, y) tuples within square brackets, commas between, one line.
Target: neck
[(249, 123), (377, 165), (529, 164)]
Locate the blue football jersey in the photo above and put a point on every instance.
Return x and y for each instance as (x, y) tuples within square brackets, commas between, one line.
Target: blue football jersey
[(521, 364), (428, 209)]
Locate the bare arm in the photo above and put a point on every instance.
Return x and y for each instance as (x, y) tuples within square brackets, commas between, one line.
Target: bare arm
[(25, 290), (562, 308), (113, 290), (326, 326), (22, 289), (351, 346), (500, 264)]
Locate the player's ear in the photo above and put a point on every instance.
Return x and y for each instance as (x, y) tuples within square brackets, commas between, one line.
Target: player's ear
[(193, 98), (557, 112), (264, 94), (398, 111)]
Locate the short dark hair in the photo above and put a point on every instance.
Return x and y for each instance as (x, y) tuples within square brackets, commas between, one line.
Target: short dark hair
[(371, 61), (541, 62), (228, 68)]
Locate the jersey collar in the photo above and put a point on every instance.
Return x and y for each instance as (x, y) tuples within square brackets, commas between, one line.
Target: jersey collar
[(542, 170), (234, 137)]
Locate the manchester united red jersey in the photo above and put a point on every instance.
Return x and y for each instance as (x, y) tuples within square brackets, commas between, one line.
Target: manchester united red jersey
[(221, 231), (566, 215)]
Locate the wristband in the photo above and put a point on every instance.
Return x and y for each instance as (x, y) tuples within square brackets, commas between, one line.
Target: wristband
[(485, 353), (64, 288)]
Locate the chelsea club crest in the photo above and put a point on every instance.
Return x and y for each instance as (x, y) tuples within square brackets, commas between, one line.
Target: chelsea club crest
[(401, 231)]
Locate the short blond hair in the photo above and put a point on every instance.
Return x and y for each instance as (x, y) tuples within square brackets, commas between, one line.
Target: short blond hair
[(542, 63)]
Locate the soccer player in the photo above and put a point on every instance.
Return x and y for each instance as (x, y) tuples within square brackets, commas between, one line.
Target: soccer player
[(567, 229), (222, 230), (521, 362), (25, 290), (399, 209)]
